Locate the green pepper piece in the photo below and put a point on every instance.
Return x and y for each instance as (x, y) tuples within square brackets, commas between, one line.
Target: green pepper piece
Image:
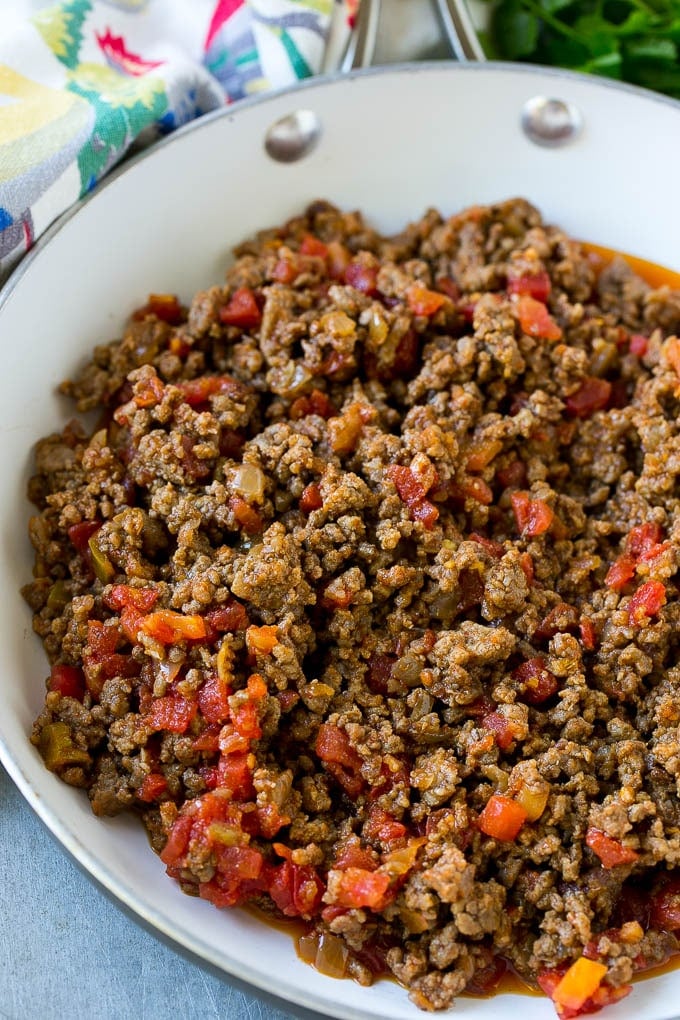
[(101, 564), (58, 749)]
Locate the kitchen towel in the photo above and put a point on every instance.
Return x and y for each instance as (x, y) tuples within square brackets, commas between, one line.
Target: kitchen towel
[(82, 81)]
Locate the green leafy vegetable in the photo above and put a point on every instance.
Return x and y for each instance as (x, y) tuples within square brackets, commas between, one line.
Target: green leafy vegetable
[(633, 40)]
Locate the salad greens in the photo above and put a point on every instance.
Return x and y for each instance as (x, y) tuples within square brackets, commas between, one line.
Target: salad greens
[(633, 40)]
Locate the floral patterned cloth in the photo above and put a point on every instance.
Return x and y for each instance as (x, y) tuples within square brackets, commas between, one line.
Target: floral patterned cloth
[(82, 80)]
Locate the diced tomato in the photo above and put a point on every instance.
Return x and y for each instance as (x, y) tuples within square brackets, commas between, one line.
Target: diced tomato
[(592, 395), (588, 634), (235, 774), (494, 549), (535, 319), (422, 301), (610, 851), (337, 260), (638, 344), (562, 619), (412, 493), (646, 602), (261, 640), (501, 728), (209, 739), (527, 565), (313, 246), (363, 277), (536, 285), (537, 683), (242, 873), (178, 840), (533, 516), (381, 827), (172, 713), (354, 855), (122, 595), (341, 760), (315, 403), (297, 890), (311, 498), (502, 818), (165, 307), (148, 392), (153, 786), (360, 888), (425, 512), (242, 310), (228, 618), (665, 905), (379, 673), (169, 627), (270, 820), (482, 453), (213, 699), (246, 515), (287, 700), (196, 392), (643, 540), (69, 681), (620, 573), (579, 983), (80, 535), (513, 475)]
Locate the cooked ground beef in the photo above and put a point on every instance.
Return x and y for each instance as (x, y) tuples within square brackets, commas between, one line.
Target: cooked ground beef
[(363, 595)]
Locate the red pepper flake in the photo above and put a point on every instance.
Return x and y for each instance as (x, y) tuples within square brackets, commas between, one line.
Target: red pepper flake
[(242, 310), (533, 516), (646, 602), (610, 851), (592, 395), (536, 285)]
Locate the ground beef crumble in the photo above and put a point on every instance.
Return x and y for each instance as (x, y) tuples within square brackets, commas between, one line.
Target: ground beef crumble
[(363, 595)]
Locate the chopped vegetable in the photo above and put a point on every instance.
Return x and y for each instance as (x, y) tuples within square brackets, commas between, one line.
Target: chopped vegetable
[(502, 818), (646, 602), (169, 627), (533, 516), (242, 310), (582, 979), (535, 319), (610, 851)]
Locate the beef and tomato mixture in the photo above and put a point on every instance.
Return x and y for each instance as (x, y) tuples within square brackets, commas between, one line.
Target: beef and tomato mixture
[(363, 594)]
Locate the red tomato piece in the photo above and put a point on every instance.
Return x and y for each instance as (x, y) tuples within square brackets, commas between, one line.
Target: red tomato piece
[(502, 818), (592, 395), (315, 403), (213, 700), (153, 786), (620, 573), (246, 515), (242, 310), (165, 307), (362, 277), (296, 889), (537, 683), (69, 681), (80, 535), (536, 285), (235, 774), (533, 516), (643, 539), (311, 498), (261, 640), (610, 851), (381, 827), (588, 634), (535, 319), (501, 729), (169, 627), (178, 840), (646, 602), (449, 287), (172, 713), (354, 855), (313, 246), (228, 618), (341, 760), (494, 549), (638, 344), (422, 301), (122, 595), (196, 392), (360, 888)]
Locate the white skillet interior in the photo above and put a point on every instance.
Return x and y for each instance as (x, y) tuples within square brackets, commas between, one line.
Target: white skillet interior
[(393, 143)]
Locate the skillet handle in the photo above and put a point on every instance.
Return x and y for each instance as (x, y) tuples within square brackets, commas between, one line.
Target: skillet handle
[(461, 33)]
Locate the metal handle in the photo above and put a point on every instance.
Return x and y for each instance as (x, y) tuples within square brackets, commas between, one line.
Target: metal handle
[(461, 32), (361, 45)]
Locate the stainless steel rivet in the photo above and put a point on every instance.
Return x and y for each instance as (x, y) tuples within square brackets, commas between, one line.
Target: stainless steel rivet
[(293, 137), (550, 122)]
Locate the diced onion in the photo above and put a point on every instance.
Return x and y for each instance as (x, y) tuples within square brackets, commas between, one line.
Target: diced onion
[(249, 482)]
